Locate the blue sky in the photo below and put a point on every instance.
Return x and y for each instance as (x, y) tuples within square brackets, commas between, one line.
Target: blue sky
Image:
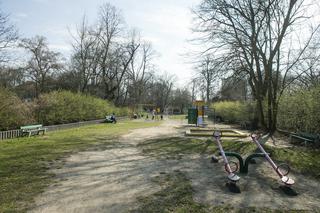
[(166, 23)]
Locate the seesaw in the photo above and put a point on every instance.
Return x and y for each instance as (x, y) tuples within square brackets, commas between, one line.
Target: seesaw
[(282, 169), (232, 177)]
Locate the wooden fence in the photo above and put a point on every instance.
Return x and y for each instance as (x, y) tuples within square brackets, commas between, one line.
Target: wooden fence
[(10, 134)]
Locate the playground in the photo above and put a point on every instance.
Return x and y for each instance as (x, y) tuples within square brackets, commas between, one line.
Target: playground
[(159, 169), (159, 106)]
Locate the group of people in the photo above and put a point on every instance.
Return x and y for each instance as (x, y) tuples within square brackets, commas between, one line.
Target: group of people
[(154, 113), (111, 119)]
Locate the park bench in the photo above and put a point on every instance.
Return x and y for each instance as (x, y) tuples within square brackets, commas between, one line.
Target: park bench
[(32, 130), (306, 137)]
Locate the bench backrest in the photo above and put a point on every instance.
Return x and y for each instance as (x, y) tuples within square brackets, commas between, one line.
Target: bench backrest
[(308, 135), (37, 126)]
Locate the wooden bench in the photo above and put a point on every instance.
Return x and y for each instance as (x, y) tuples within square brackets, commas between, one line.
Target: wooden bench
[(305, 137), (32, 130)]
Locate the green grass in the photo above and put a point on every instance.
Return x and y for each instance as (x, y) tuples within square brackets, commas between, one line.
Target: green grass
[(301, 159), (177, 117), (174, 146), (24, 162)]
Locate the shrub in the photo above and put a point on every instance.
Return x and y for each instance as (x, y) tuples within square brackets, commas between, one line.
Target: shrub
[(60, 107), (13, 112), (234, 111), (300, 111)]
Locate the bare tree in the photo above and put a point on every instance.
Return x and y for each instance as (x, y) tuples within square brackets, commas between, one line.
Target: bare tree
[(140, 68), (181, 99), (109, 29), (208, 71), (8, 36), (193, 89), (310, 65), (161, 90), (128, 51), (254, 36), (85, 56), (42, 63), (10, 77)]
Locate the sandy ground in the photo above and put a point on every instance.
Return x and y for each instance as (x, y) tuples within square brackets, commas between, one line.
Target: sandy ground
[(111, 180)]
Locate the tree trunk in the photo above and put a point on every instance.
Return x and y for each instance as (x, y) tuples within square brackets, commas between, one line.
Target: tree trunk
[(260, 113)]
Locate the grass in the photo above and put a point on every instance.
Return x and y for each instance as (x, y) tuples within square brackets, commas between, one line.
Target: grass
[(24, 162), (301, 159), (177, 145), (178, 117)]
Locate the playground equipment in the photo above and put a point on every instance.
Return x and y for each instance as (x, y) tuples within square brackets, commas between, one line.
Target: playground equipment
[(282, 170), (196, 113), (232, 177)]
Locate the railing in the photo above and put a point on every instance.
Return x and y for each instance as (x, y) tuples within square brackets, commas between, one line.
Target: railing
[(10, 134), (72, 125), (17, 133)]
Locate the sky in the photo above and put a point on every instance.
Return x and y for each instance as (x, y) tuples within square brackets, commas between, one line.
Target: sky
[(165, 23)]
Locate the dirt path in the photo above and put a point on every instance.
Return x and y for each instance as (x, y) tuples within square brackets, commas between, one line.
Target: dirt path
[(111, 180), (105, 181)]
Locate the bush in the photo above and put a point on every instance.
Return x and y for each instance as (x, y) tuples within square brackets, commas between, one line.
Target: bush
[(300, 111), (13, 112), (60, 107), (234, 111)]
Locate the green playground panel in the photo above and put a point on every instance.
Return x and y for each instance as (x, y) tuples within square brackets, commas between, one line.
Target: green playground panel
[(192, 116)]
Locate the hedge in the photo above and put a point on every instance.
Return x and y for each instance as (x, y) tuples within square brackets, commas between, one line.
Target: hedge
[(234, 111), (299, 111), (13, 111), (57, 107), (60, 107)]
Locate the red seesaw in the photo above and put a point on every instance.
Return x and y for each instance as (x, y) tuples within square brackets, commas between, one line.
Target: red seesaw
[(283, 175)]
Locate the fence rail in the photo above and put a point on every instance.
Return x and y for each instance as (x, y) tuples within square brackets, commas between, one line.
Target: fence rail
[(10, 134), (72, 125), (17, 133)]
